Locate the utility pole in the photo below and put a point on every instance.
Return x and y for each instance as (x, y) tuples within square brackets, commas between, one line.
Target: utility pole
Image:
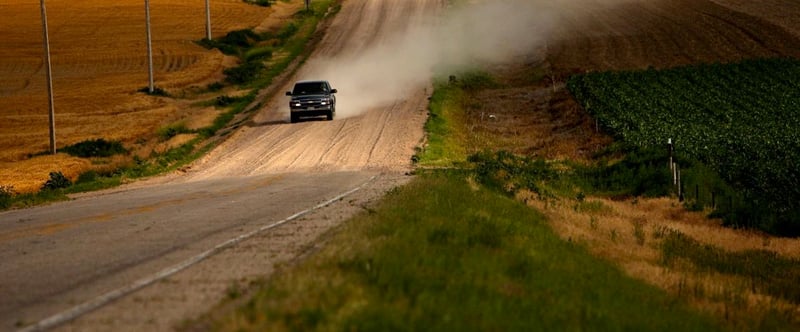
[(208, 20), (308, 5), (150, 87), (48, 69)]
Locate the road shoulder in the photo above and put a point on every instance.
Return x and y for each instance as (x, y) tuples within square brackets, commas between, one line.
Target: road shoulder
[(187, 296)]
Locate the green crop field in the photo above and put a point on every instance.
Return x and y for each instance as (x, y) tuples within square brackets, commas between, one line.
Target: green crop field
[(740, 119)]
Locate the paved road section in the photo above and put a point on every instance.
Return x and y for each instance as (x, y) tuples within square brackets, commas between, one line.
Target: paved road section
[(59, 256)]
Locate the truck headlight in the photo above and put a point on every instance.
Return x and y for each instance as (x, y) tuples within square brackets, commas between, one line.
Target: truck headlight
[(296, 104)]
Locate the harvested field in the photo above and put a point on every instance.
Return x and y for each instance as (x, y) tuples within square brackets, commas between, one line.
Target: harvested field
[(662, 34), (782, 13), (99, 61)]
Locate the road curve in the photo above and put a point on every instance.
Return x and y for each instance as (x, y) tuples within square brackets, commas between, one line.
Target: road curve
[(60, 256)]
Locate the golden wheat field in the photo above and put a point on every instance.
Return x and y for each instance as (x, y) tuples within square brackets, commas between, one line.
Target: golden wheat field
[(99, 61)]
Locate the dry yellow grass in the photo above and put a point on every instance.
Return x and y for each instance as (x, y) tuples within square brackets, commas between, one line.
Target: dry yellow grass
[(71, 167), (609, 229), (99, 62)]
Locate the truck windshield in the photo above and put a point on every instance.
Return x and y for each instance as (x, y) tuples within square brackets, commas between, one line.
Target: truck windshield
[(309, 88)]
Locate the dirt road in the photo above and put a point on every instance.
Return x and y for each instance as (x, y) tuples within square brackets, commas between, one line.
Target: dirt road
[(131, 252), (382, 138)]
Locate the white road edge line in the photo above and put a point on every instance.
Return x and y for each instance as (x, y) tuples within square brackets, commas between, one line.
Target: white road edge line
[(83, 308)]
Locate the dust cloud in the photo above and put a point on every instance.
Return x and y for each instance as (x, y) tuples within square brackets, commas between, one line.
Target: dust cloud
[(483, 32)]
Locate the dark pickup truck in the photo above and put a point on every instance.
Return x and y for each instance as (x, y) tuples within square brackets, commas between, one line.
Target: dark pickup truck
[(312, 98)]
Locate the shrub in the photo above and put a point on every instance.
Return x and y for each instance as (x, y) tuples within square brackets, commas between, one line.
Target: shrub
[(6, 194), (165, 133), (258, 53), (226, 100), (224, 48), (243, 73), (88, 176), (507, 172), (642, 172), (156, 91), (216, 86), (57, 181), (95, 148), (262, 3), (287, 32), (240, 38), (232, 42)]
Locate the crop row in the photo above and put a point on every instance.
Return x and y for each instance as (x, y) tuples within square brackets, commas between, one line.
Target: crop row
[(741, 119)]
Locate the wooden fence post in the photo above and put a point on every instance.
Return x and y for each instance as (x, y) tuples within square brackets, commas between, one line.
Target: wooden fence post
[(713, 200)]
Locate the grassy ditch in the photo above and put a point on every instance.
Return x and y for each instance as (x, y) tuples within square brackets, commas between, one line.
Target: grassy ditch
[(256, 71), (615, 204), (446, 130), (754, 288), (443, 255)]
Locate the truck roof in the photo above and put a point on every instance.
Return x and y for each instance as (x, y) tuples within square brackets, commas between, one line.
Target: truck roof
[(311, 81)]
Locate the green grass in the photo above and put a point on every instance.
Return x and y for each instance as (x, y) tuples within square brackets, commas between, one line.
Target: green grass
[(509, 173), (258, 53), (33, 199), (439, 255), (444, 147), (6, 196), (447, 139)]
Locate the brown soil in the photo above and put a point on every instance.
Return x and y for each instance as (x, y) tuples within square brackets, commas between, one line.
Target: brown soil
[(668, 33), (538, 119)]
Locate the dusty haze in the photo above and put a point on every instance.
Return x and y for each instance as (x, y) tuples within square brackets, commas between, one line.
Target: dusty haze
[(486, 32)]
